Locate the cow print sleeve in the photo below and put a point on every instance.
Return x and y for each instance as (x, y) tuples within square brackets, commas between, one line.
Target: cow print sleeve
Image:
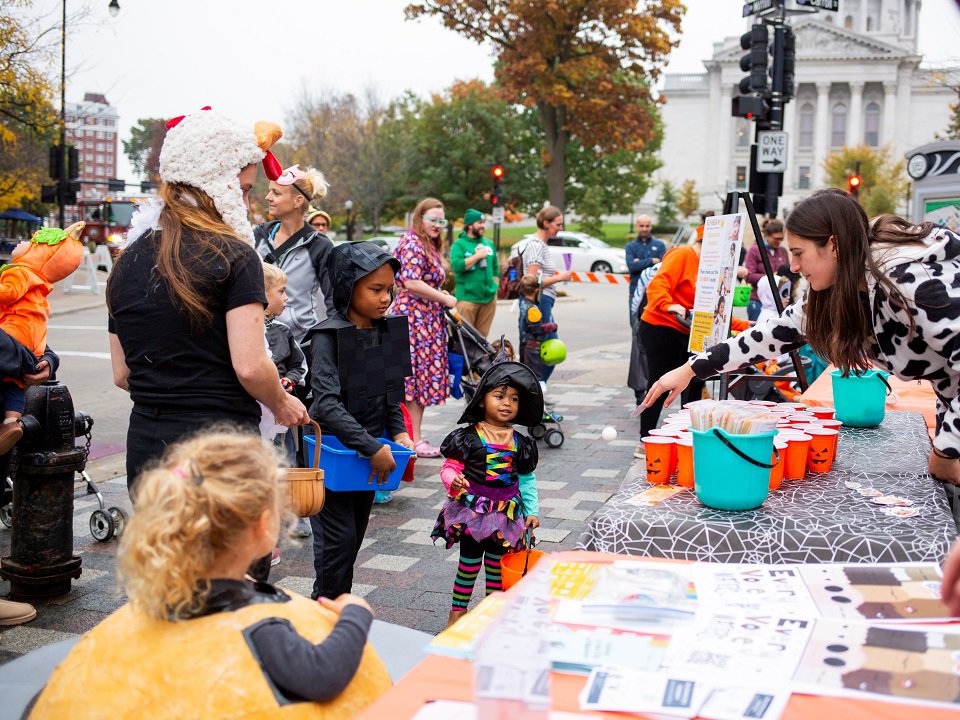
[(764, 341)]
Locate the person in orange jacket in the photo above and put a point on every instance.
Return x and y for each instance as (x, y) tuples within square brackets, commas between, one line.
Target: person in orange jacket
[(664, 327), (35, 264)]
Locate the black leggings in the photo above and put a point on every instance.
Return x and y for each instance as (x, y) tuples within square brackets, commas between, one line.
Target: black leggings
[(666, 349)]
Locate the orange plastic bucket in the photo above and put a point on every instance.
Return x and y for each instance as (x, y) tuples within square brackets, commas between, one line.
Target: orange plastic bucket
[(511, 566)]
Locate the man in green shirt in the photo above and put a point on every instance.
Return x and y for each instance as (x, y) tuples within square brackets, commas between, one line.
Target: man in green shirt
[(477, 272)]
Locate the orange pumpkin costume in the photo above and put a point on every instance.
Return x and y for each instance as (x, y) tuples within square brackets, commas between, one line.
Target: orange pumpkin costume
[(26, 282)]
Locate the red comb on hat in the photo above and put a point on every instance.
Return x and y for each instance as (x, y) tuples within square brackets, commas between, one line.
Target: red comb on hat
[(271, 166), (173, 122)]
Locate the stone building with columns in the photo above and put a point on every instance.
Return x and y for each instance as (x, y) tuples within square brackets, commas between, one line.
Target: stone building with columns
[(858, 81)]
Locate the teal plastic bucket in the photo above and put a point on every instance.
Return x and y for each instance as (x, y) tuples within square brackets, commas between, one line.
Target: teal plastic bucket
[(731, 472), (861, 399)]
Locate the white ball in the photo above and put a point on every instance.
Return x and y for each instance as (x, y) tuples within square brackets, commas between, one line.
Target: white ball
[(609, 433)]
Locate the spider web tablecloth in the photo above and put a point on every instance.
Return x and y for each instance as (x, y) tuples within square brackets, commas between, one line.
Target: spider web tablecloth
[(817, 519)]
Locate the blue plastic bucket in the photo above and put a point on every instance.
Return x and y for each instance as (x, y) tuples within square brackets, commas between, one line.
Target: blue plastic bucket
[(731, 472), (344, 470), (861, 399)]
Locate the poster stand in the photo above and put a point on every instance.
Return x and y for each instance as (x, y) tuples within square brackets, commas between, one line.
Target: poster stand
[(732, 205)]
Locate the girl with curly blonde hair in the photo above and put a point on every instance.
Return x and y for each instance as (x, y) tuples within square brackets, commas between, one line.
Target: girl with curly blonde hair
[(195, 622)]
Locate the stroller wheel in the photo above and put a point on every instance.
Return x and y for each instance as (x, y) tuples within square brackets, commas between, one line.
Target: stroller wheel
[(553, 438), (102, 526), (119, 520), (6, 515), (538, 431)]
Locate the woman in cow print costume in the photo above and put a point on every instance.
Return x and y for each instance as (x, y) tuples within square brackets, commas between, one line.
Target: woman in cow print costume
[(885, 293)]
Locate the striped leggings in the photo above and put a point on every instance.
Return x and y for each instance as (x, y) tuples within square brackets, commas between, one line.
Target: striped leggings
[(472, 556)]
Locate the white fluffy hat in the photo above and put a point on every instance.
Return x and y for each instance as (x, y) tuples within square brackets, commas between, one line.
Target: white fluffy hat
[(207, 150)]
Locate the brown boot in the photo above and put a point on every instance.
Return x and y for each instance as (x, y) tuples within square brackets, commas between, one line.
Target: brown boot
[(16, 613), (454, 616), (10, 434)]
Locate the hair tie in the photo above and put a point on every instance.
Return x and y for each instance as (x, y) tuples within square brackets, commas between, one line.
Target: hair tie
[(193, 472)]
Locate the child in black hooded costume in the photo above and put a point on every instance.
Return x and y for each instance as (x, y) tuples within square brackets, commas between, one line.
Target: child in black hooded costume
[(359, 358), (488, 474)]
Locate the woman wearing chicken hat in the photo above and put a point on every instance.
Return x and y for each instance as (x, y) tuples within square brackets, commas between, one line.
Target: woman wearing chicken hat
[(186, 296)]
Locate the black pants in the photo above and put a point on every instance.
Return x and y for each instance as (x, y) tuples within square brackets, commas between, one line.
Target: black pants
[(666, 349), (151, 429), (338, 530)]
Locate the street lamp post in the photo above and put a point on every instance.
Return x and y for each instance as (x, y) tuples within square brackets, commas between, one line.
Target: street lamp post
[(349, 206), (62, 179)]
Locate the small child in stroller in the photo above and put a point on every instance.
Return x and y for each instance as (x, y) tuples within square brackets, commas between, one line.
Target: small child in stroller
[(533, 333)]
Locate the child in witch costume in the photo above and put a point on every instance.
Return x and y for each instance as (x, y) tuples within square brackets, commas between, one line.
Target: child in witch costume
[(359, 358), (488, 474)]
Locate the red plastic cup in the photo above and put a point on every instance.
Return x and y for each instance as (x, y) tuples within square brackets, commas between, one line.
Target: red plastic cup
[(795, 466), (831, 424), (685, 461), (661, 455), (776, 474), (832, 434), (663, 432), (824, 413)]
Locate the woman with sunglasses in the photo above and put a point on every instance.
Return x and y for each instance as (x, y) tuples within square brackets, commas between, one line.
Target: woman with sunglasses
[(294, 246), (421, 299)]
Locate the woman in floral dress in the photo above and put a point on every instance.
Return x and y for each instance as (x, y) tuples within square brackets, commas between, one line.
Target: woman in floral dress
[(420, 298)]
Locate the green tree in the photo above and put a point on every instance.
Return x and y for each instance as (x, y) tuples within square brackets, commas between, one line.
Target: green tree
[(28, 122), (689, 200), (667, 204), (884, 183), (584, 67), (143, 147)]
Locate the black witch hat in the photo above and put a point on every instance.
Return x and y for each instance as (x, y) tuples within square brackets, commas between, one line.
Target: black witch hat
[(516, 375)]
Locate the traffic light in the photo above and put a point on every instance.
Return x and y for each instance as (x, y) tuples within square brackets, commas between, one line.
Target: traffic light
[(147, 186), (497, 172), (853, 183), (755, 61), (789, 62), (70, 196), (496, 197), (116, 185), (56, 162), (73, 163), (750, 107), (48, 194)]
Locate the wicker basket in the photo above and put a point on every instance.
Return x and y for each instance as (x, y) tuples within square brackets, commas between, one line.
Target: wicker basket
[(305, 485)]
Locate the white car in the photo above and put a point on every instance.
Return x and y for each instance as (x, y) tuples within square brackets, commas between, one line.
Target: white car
[(587, 253)]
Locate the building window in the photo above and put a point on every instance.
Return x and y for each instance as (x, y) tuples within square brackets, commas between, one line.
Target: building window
[(803, 179), (848, 22), (829, 18), (741, 177), (873, 15), (743, 132), (871, 121), (100, 134), (838, 126), (805, 133), (100, 158), (100, 147), (101, 171)]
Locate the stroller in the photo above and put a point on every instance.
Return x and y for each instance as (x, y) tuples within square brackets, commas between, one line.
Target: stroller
[(478, 356)]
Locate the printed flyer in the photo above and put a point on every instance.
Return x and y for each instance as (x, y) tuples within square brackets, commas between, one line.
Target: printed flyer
[(717, 276)]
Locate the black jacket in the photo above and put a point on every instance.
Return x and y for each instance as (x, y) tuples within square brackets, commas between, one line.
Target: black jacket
[(357, 374)]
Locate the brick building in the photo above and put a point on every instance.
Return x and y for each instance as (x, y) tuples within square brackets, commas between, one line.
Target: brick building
[(92, 129)]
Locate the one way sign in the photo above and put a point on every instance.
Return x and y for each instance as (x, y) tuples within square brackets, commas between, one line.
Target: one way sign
[(771, 152)]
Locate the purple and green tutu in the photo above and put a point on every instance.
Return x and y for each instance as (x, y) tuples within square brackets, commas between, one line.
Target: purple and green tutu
[(484, 519)]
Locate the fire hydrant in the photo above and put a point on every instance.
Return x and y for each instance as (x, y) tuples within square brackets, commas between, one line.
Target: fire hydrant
[(41, 562)]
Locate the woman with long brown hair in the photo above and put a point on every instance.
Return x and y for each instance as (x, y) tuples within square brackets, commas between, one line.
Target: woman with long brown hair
[(186, 297), (421, 299), (885, 293)]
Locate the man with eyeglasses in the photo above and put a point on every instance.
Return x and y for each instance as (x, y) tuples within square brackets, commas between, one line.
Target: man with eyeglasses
[(773, 235), (477, 272)]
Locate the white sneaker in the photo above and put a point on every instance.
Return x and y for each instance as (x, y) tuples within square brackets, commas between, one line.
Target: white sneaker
[(639, 452), (16, 613)]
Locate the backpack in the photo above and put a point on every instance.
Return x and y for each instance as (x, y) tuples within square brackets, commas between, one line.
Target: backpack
[(510, 279)]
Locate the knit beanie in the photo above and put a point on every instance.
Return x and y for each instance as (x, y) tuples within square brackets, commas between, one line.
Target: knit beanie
[(471, 216)]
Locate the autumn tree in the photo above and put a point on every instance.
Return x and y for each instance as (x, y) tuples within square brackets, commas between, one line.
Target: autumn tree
[(143, 147), (584, 66), (884, 179), (688, 201), (28, 122)]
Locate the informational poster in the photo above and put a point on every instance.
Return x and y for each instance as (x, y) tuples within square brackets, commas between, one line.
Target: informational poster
[(719, 257), (944, 211)]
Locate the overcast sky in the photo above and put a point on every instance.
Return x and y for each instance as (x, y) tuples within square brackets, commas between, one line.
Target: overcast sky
[(252, 58)]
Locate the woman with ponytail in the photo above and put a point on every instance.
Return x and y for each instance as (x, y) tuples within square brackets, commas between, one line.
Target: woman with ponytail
[(200, 637), (884, 293), (186, 297)]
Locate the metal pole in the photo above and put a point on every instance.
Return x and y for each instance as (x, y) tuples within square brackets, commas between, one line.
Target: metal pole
[(62, 181), (775, 117)]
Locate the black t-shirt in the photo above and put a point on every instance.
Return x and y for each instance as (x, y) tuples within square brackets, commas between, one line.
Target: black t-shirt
[(173, 364)]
